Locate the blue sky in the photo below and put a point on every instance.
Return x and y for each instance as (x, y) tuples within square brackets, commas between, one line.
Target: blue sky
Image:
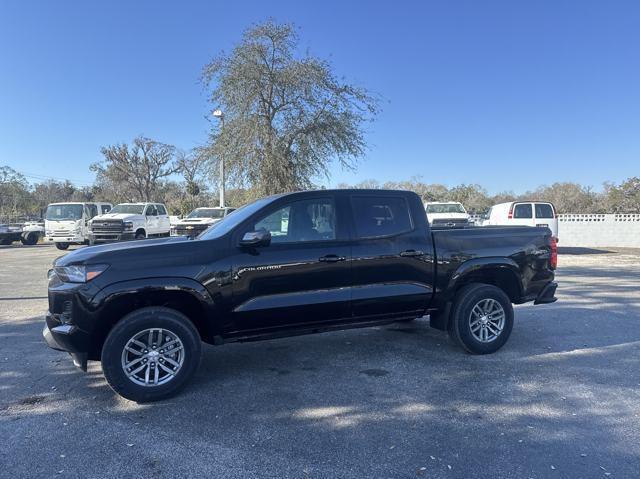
[(508, 94)]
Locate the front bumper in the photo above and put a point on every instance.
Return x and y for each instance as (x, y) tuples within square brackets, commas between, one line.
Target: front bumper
[(111, 237), (547, 295), (64, 239), (60, 338)]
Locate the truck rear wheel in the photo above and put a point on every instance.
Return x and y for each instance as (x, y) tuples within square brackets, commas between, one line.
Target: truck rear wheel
[(481, 318), (62, 246), (151, 354), (30, 239)]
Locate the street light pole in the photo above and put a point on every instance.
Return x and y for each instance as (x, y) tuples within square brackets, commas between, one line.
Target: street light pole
[(218, 114)]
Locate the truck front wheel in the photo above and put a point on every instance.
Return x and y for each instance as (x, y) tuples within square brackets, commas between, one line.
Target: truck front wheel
[(62, 246), (151, 354), (481, 318)]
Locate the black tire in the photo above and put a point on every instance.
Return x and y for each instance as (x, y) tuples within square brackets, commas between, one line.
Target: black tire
[(461, 318), (62, 246), (141, 236), (30, 239), (138, 321), (5, 242)]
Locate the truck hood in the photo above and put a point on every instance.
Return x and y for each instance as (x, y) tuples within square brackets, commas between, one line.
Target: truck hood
[(198, 221), (104, 253), (119, 216)]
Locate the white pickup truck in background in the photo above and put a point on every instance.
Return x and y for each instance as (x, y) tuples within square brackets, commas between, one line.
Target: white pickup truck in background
[(199, 220), (446, 213), (68, 223), (128, 221)]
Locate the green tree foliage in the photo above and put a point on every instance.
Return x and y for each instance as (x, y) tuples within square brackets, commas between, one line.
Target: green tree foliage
[(623, 198), (287, 115)]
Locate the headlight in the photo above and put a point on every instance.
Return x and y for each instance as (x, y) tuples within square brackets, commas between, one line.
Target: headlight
[(128, 225), (48, 232), (79, 273)]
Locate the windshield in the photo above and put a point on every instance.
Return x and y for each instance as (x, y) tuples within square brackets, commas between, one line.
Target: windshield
[(446, 208), (128, 209), (229, 222), (207, 213), (64, 212)]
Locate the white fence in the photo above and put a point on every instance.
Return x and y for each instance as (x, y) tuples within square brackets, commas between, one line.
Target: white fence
[(595, 230), (592, 230)]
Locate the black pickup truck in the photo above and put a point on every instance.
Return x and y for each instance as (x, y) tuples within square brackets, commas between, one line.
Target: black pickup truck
[(290, 264)]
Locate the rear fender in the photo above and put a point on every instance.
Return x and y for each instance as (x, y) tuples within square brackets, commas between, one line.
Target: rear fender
[(491, 270)]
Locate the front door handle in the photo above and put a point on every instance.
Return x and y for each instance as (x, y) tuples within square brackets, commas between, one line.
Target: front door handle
[(411, 252), (331, 258)]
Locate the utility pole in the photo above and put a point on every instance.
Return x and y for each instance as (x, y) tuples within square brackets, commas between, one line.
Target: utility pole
[(218, 114)]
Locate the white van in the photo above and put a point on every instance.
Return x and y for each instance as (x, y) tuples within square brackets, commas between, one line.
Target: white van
[(68, 223), (525, 213)]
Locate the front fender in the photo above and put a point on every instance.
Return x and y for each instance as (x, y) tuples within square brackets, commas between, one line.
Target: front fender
[(134, 286)]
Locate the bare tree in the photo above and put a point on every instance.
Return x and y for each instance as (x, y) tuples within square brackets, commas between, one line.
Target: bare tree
[(142, 166), (15, 195), (193, 166), (287, 116)]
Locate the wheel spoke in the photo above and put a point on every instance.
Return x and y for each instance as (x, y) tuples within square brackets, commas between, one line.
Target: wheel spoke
[(156, 373), (135, 361), (171, 361), (490, 327), (146, 374), (133, 351), (141, 345), (137, 370), (166, 369)]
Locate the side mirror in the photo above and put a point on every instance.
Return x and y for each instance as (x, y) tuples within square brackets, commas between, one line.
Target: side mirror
[(256, 238)]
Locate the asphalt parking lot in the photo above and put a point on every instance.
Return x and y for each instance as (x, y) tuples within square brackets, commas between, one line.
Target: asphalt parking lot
[(561, 399)]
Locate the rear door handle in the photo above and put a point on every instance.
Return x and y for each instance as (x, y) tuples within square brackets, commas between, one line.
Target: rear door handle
[(411, 252), (331, 258)]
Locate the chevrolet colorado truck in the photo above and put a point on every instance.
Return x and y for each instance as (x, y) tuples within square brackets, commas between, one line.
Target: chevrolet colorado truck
[(290, 264)]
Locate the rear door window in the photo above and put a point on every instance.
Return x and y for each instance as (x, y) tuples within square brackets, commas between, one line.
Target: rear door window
[(544, 210), (161, 210), (523, 211), (376, 216)]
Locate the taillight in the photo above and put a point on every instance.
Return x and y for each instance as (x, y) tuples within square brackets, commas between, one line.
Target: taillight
[(553, 260), (510, 215)]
